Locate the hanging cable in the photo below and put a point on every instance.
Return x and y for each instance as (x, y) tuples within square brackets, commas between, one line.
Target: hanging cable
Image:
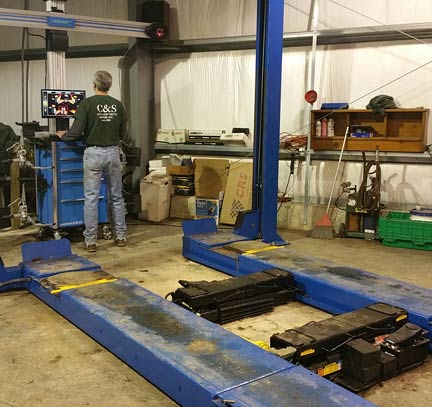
[(292, 167), (385, 84), (15, 281), (366, 94), (381, 23), (45, 60)]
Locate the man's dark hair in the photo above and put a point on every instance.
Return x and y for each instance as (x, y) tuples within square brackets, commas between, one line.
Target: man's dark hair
[(102, 81)]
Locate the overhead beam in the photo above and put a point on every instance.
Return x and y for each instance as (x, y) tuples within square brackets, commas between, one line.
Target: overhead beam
[(298, 39), (68, 22), (304, 38), (81, 51)]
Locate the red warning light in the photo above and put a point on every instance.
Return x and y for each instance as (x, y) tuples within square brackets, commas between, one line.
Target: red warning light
[(160, 32), (157, 31)]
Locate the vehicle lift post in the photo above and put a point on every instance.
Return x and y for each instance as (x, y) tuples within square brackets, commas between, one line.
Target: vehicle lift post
[(261, 221)]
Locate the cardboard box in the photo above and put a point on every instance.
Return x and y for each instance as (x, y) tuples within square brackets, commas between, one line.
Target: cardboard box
[(163, 162), (210, 177), (158, 171), (182, 207), (207, 208), (155, 194), (238, 192), (180, 170)]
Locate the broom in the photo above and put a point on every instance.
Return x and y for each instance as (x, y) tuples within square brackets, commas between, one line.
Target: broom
[(324, 227)]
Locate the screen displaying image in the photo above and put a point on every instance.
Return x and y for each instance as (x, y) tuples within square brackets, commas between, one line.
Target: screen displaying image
[(60, 103)]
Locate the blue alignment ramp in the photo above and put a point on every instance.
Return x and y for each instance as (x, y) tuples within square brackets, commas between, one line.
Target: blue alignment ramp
[(326, 285), (337, 289), (45, 259), (11, 278), (195, 362)]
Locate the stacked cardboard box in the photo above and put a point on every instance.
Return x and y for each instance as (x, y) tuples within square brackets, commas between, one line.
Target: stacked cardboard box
[(155, 191), (238, 191), (183, 199), (210, 180)]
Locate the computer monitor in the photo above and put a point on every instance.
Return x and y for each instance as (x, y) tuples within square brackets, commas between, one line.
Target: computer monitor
[(60, 103)]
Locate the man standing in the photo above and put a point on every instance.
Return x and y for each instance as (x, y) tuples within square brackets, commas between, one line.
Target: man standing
[(103, 121)]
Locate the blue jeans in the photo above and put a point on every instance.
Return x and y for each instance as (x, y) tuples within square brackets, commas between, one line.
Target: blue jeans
[(99, 161)]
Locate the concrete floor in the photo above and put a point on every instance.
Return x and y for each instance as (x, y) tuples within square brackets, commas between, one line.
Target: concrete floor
[(46, 361)]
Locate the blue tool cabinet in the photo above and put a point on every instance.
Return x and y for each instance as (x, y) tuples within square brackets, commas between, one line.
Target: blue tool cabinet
[(60, 190)]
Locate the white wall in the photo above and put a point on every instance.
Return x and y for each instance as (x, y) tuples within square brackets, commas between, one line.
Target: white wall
[(79, 75), (216, 90), (224, 18)]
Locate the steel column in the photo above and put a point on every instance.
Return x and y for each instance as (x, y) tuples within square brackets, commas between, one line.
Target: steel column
[(262, 221)]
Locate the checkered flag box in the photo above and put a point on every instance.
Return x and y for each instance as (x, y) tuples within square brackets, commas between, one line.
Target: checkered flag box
[(238, 192), (236, 207)]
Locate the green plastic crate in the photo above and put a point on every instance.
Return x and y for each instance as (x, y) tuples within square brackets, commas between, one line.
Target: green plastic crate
[(398, 230)]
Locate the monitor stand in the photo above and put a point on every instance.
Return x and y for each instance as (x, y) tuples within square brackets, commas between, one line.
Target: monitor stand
[(62, 124)]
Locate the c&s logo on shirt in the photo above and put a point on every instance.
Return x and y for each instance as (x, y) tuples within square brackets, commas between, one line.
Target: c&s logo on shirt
[(106, 108)]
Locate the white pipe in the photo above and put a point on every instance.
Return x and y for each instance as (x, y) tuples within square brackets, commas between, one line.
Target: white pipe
[(311, 80)]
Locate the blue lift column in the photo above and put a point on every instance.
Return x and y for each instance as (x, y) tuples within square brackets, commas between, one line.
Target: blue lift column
[(261, 222), (202, 235)]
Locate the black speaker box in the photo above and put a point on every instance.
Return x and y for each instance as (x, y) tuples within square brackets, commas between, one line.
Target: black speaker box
[(154, 12), (57, 40)]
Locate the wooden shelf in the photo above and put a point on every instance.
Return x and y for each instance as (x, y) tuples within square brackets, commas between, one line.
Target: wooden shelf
[(399, 130)]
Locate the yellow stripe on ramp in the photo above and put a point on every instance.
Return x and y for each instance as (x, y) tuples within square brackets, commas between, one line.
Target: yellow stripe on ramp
[(265, 249), (88, 284)]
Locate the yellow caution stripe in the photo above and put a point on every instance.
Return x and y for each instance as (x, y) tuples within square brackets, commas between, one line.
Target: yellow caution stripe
[(329, 369), (307, 352), (265, 249), (88, 284)]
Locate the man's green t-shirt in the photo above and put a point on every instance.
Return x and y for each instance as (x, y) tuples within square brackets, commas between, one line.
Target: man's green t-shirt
[(102, 119)]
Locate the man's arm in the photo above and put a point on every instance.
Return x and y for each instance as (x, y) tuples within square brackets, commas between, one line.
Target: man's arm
[(75, 131), (78, 127)]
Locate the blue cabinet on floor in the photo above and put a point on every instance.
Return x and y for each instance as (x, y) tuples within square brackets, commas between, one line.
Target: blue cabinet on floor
[(60, 198)]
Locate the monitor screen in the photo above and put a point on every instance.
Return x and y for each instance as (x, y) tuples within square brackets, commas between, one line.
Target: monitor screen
[(60, 103)]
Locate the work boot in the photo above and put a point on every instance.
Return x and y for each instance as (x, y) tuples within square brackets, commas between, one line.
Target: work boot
[(120, 242), (89, 247)]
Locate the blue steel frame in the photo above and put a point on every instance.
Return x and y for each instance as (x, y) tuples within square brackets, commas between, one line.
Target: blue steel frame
[(261, 222), (195, 362)]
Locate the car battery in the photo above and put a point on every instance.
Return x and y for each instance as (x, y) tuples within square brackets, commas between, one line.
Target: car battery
[(361, 362), (314, 340), (408, 345), (388, 365), (364, 376), (362, 353)]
